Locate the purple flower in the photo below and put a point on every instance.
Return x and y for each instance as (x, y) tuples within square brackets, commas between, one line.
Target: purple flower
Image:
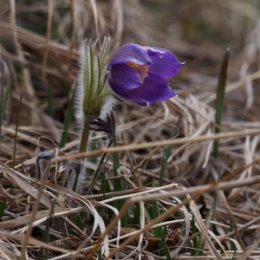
[(141, 74)]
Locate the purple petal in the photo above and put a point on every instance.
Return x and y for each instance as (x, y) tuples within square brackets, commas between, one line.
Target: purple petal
[(130, 53), (154, 89), (124, 77), (164, 63), (119, 89)]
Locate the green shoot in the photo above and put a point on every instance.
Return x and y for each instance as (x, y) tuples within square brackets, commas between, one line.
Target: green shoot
[(166, 154), (2, 209), (118, 186), (99, 168), (117, 182), (195, 241), (16, 130), (105, 188), (222, 79), (47, 231), (160, 233)]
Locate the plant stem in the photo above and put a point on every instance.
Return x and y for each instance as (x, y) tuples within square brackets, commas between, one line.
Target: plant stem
[(117, 182), (118, 185), (16, 130), (84, 138), (84, 146), (222, 79)]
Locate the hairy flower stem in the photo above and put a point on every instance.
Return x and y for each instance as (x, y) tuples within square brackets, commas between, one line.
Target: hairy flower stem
[(90, 99), (83, 147)]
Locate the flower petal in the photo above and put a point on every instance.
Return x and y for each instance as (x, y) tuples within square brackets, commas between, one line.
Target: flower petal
[(154, 89), (132, 53), (164, 63), (124, 77), (118, 89)]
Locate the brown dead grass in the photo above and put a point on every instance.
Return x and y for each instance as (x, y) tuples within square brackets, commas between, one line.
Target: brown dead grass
[(40, 40)]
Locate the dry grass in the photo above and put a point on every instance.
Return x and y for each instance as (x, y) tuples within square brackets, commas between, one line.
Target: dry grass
[(209, 207)]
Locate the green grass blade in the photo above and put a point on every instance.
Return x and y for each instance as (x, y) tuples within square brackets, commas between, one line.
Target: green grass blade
[(222, 79), (1, 91), (68, 119), (118, 186), (16, 130), (159, 232), (2, 209), (136, 218), (101, 164), (195, 240), (105, 188), (166, 154), (117, 183), (234, 249), (4, 96), (47, 231)]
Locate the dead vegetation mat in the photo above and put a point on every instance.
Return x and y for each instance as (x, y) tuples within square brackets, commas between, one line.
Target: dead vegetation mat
[(208, 207)]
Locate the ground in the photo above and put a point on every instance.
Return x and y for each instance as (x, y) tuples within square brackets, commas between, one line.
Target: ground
[(160, 189)]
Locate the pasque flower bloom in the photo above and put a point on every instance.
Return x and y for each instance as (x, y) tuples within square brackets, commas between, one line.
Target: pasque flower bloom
[(141, 74)]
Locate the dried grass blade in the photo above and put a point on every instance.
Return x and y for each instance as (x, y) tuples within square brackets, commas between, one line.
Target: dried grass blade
[(95, 15), (190, 140), (203, 229), (32, 241), (14, 178)]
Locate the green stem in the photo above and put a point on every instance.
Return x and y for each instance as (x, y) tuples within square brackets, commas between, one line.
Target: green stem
[(159, 232), (118, 185), (2, 209), (16, 130), (222, 79), (1, 91), (84, 138)]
